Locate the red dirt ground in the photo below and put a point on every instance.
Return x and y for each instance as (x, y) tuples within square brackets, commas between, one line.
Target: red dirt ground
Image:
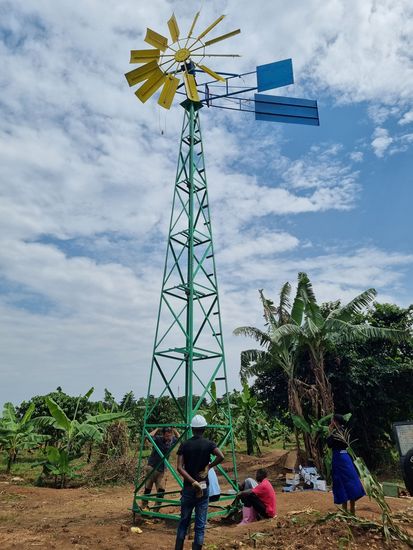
[(88, 518)]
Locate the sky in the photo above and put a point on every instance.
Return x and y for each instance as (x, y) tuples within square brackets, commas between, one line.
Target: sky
[(87, 175)]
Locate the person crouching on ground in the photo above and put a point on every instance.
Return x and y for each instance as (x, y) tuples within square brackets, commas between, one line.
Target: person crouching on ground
[(346, 482), (156, 466), (261, 498), (193, 465)]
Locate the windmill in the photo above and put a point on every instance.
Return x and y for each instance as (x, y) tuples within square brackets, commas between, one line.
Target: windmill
[(188, 353)]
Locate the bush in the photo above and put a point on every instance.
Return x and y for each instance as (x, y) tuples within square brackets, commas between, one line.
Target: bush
[(112, 470)]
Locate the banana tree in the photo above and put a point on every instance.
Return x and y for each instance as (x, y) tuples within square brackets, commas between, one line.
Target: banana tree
[(250, 420), (318, 430), (215, 413), (18, 434), (316, 332), (280, 352), (304, 328), (75, 434)]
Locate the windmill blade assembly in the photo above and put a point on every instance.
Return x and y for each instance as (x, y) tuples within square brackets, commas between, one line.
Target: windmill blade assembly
[(163, 65)]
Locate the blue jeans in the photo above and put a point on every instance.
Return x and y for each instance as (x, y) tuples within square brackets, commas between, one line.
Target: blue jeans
[(188, 502)]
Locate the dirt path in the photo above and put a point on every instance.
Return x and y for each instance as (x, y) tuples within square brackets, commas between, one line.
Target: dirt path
[(86, 518)]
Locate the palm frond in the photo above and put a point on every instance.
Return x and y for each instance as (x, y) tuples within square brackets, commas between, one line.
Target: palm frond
[(304, 285), (250, 363), (285, 331), (262, 337), (297, 311), (9, 412), (346, 312), (269, 310), (343, 332), (311, 308), (284, 303), (44, 422), (311, 329)]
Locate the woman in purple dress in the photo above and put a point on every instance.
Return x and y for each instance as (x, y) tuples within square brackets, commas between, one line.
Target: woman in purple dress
[(346, 482)]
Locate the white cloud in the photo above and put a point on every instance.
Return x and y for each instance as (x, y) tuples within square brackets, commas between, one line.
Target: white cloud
[(357, 156), (257, 246), (381, 141), (380, 113), (407, 118)]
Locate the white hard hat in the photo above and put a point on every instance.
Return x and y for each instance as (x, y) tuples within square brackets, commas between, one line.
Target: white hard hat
[(198, 421)]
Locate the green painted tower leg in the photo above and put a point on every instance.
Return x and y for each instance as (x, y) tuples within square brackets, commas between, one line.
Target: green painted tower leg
[(188, 362)]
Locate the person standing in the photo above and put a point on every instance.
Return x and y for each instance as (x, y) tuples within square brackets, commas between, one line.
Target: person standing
[(262, 497), (346, 482), (193, 464), (156, 466), (214, 490)]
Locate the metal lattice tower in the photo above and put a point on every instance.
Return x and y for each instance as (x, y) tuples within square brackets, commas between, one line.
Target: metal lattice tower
[(188, 354), (188, 351)]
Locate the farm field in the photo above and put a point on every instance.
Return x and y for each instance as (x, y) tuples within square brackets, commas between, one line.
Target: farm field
[(100, 517), (84, 518)]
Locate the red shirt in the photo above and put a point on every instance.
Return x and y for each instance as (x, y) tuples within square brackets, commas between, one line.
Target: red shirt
[(266, 494)]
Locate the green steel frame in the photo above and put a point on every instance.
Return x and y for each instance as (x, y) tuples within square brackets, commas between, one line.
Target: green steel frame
[(188, 349)]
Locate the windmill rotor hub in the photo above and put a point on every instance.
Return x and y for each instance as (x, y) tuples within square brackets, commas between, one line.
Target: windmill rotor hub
[(182, 55)]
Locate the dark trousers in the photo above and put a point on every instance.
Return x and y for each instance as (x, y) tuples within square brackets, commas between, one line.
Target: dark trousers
[(189, 502), (252, 500)]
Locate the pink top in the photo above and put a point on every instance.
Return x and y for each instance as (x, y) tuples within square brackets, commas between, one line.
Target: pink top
[(266, 494)]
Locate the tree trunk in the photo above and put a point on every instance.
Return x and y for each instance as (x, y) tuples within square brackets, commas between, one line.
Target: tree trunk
[(249, 438), (9, 463), (89, 456), (324, 396), (296, 408)]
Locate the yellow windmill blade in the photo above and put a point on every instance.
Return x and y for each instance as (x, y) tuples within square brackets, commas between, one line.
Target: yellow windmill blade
[(222, 37), (214, 24), (190, 87), (141, 73), (150, 86), (173, 28), (168, 91), (163, 64), (211, 72), (143, 56), (193, 23), (215, 55), (156, 40)]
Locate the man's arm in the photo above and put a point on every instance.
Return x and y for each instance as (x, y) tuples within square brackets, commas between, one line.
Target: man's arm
[(181, 469), (219, 457), (153, 432), (244, 493)]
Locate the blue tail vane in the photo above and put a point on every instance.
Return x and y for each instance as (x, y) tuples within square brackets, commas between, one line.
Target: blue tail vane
[(275, 75), (286, 109), (235, 97)]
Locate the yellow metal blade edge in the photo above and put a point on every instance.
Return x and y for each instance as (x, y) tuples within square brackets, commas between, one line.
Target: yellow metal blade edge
[(150, 86), (193, 23), (168, 92), (214, 24), (173, 28), (222, 37), (143, 56), (156, 40), (215, 55), (190, 86), (141, 73), (211, 73)]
